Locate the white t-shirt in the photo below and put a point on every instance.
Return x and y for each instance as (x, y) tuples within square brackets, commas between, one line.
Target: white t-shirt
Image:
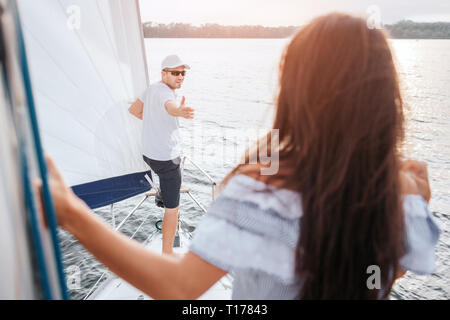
[(160, 135)]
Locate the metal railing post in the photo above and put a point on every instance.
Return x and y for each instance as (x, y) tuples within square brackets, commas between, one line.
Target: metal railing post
[(113, 216)]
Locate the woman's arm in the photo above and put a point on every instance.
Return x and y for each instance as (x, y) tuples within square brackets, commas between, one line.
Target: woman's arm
[(159, 276), (414, 180)]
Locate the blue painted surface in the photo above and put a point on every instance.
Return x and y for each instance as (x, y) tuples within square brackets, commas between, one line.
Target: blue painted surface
[(108, 191)]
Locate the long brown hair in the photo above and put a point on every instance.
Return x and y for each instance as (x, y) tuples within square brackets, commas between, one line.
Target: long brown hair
[(340, 121)]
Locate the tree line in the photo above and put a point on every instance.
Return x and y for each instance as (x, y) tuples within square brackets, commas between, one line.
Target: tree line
[(419, 30), (212, 30), (400, 30)]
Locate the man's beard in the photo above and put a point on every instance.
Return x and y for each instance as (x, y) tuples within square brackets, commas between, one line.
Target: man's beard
[(174, 87)]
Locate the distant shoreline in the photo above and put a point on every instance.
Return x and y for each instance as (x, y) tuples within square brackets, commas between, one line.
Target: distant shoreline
[(400, 30), (267, 38)]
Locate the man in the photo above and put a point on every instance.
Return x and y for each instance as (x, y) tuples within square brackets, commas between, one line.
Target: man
[(159, 111)]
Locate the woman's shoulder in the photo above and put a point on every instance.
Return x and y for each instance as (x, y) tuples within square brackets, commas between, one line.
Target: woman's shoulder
[(248, 189), (251, 219)]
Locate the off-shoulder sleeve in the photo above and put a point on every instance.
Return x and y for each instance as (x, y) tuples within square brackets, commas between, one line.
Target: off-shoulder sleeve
[(238, 234), (422, 234)]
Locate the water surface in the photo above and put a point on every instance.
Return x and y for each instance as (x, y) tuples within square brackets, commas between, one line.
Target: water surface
[(232, 87)]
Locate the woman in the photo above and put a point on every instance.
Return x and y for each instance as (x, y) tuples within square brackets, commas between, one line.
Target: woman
[(340, 204)]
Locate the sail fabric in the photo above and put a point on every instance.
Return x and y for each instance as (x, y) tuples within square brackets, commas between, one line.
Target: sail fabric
[(32, 267), (16, 268), (87, 65)]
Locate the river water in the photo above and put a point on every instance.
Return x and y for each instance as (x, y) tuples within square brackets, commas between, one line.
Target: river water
[(232, 87)]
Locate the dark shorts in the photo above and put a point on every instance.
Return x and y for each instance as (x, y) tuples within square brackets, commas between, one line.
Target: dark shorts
[(169, 174)]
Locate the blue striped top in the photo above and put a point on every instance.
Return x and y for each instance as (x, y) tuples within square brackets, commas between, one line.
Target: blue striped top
[(253, 235)]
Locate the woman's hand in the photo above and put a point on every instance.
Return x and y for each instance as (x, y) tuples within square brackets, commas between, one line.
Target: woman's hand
[(64, 199), (414, 178)]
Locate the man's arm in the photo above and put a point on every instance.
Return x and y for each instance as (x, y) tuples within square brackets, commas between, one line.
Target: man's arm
[(179, 111), (137, 109)]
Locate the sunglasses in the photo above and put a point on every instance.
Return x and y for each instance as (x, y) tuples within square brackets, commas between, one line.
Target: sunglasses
[(177, 73)]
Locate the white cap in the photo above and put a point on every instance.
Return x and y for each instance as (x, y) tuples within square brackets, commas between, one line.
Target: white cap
[(173, 61)]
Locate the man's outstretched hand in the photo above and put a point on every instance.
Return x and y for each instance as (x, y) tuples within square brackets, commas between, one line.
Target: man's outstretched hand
[(179, 111), (186, 112)]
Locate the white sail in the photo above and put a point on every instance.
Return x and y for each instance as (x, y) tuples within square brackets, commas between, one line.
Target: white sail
[(15, 268), (30, 265), (87, 64)]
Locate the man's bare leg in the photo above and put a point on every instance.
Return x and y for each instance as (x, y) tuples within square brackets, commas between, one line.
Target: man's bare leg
[(169, 229)]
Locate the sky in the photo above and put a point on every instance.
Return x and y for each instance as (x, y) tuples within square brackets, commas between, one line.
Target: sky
[(288, 12)]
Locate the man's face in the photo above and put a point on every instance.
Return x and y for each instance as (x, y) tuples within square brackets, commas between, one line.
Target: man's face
[(173, 77)]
